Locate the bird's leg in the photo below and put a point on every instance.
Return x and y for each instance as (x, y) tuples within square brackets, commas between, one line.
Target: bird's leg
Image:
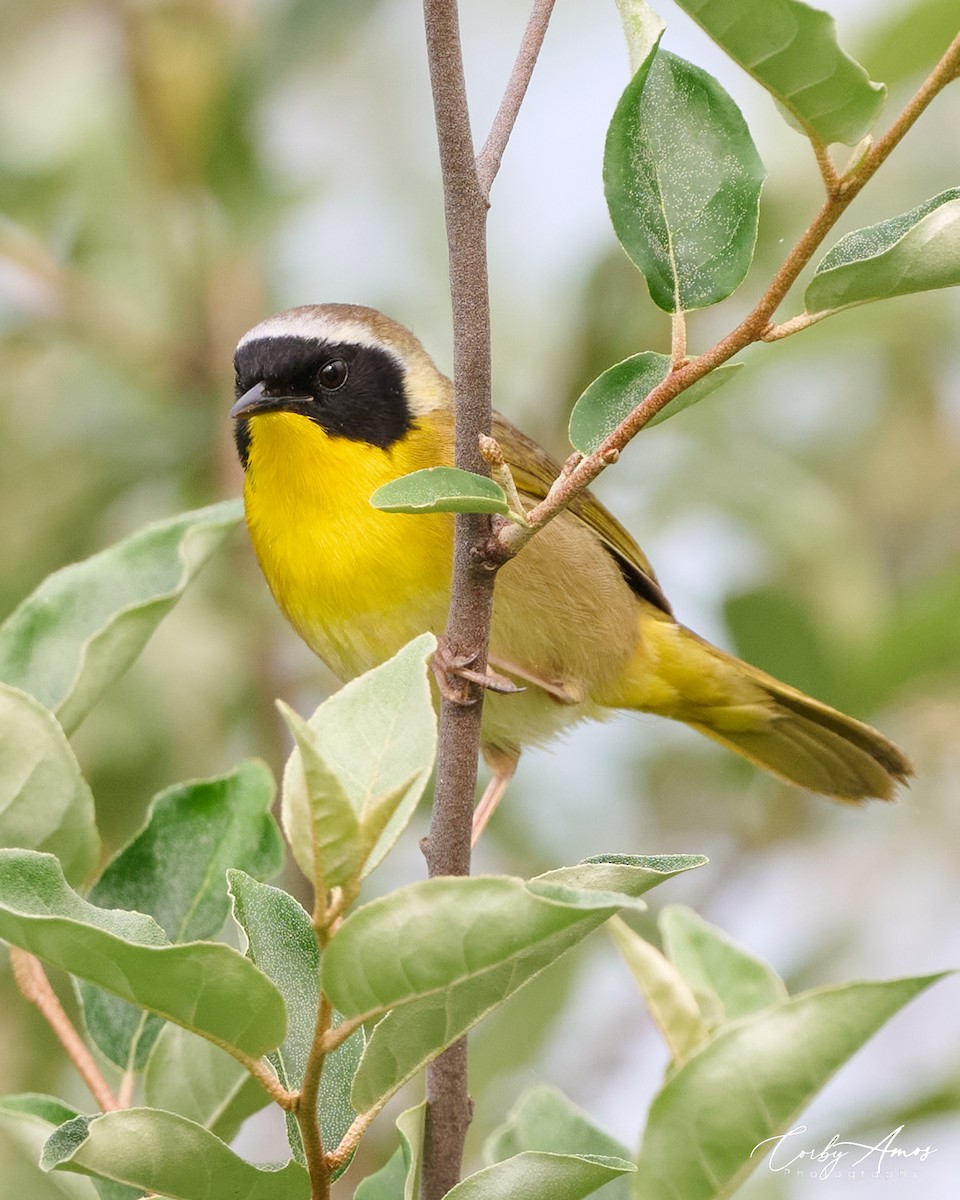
[(449, 667), (503, 764)]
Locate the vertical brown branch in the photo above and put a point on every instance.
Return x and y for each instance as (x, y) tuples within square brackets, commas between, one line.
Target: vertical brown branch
[(447, 846)]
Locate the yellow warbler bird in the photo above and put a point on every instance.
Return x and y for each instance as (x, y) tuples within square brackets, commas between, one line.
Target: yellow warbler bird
[(334, 400)]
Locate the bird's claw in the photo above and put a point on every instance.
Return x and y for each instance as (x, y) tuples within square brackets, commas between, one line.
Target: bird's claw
[(454, 671)]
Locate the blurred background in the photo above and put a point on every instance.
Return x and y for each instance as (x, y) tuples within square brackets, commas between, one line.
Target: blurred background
[(171, 171)]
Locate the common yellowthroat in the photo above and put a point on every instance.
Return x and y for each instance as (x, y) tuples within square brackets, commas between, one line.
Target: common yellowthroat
[(334, 400)]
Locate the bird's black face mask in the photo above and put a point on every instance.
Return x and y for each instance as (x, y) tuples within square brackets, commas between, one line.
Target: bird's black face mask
[(350, 391)]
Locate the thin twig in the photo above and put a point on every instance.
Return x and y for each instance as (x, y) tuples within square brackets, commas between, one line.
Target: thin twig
[(488, 160), (753, 328), (32, 981), (308, 1122)]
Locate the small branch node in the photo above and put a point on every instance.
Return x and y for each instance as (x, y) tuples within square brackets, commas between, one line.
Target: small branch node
[(492, 454)]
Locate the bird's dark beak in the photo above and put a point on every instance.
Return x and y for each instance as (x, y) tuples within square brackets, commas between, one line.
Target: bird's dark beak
[(259, 399)]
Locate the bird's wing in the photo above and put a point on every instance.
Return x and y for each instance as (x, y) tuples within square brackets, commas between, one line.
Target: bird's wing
[(534, 471)]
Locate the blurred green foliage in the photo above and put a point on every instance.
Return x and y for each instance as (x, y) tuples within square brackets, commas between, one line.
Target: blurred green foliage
[(808, 515)]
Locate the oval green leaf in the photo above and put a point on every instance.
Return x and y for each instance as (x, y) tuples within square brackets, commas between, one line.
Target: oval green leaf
[(682, 179), (749, 1083), (544, 1119), (174, 870), (167, 1154), (535, 1174), (441, 489), (378, 737), (399, 1178), (28, 1120), (45, 803), (478, 941), (791, 49), (281, 941), (197, 1080), (613, 396), (203, 986), (669, 998), (320, 822), (728, 981), (84, 625), (917, 251)]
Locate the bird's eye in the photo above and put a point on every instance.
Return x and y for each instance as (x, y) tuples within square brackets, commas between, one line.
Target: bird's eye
[(333, 374)]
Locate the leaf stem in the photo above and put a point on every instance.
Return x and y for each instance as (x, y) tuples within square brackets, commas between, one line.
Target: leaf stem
[(264, 1075), (774, 333), (351, 1139), (488, 160), (35, 987), (756, 326), (678, 338), (828, 172)]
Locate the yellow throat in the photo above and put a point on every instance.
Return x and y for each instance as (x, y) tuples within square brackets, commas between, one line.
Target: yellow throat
[(354, 586)]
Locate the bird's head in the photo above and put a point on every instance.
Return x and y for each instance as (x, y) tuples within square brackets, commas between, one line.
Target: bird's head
[(347, 369)]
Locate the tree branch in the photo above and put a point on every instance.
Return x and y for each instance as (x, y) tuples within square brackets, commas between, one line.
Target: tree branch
[(32, 981), (756, 326), (447, 847), (488, 160)]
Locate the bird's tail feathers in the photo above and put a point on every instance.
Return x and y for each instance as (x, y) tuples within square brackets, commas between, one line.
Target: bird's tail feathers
[(677, 674)]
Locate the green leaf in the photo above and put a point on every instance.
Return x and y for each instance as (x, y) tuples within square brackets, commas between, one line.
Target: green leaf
[(669, 998), (378, 736), (197, 1080), (175, 871), (204, 986), (727, 980), (917, 251), (544, 1119), (749, 1083), (613, 396), (161, 1152), (281, 941), (321, 823), (28, 1120), (791, 49), (682, 179), (441, 489), (533, 1175), (399, 1179), (45, 803), (477, 941), (84, 625)]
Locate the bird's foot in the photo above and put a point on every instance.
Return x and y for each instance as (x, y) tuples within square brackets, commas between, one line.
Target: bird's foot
[(454, 673)]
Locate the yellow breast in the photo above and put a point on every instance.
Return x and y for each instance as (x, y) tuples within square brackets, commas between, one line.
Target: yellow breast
[(355, 583)]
